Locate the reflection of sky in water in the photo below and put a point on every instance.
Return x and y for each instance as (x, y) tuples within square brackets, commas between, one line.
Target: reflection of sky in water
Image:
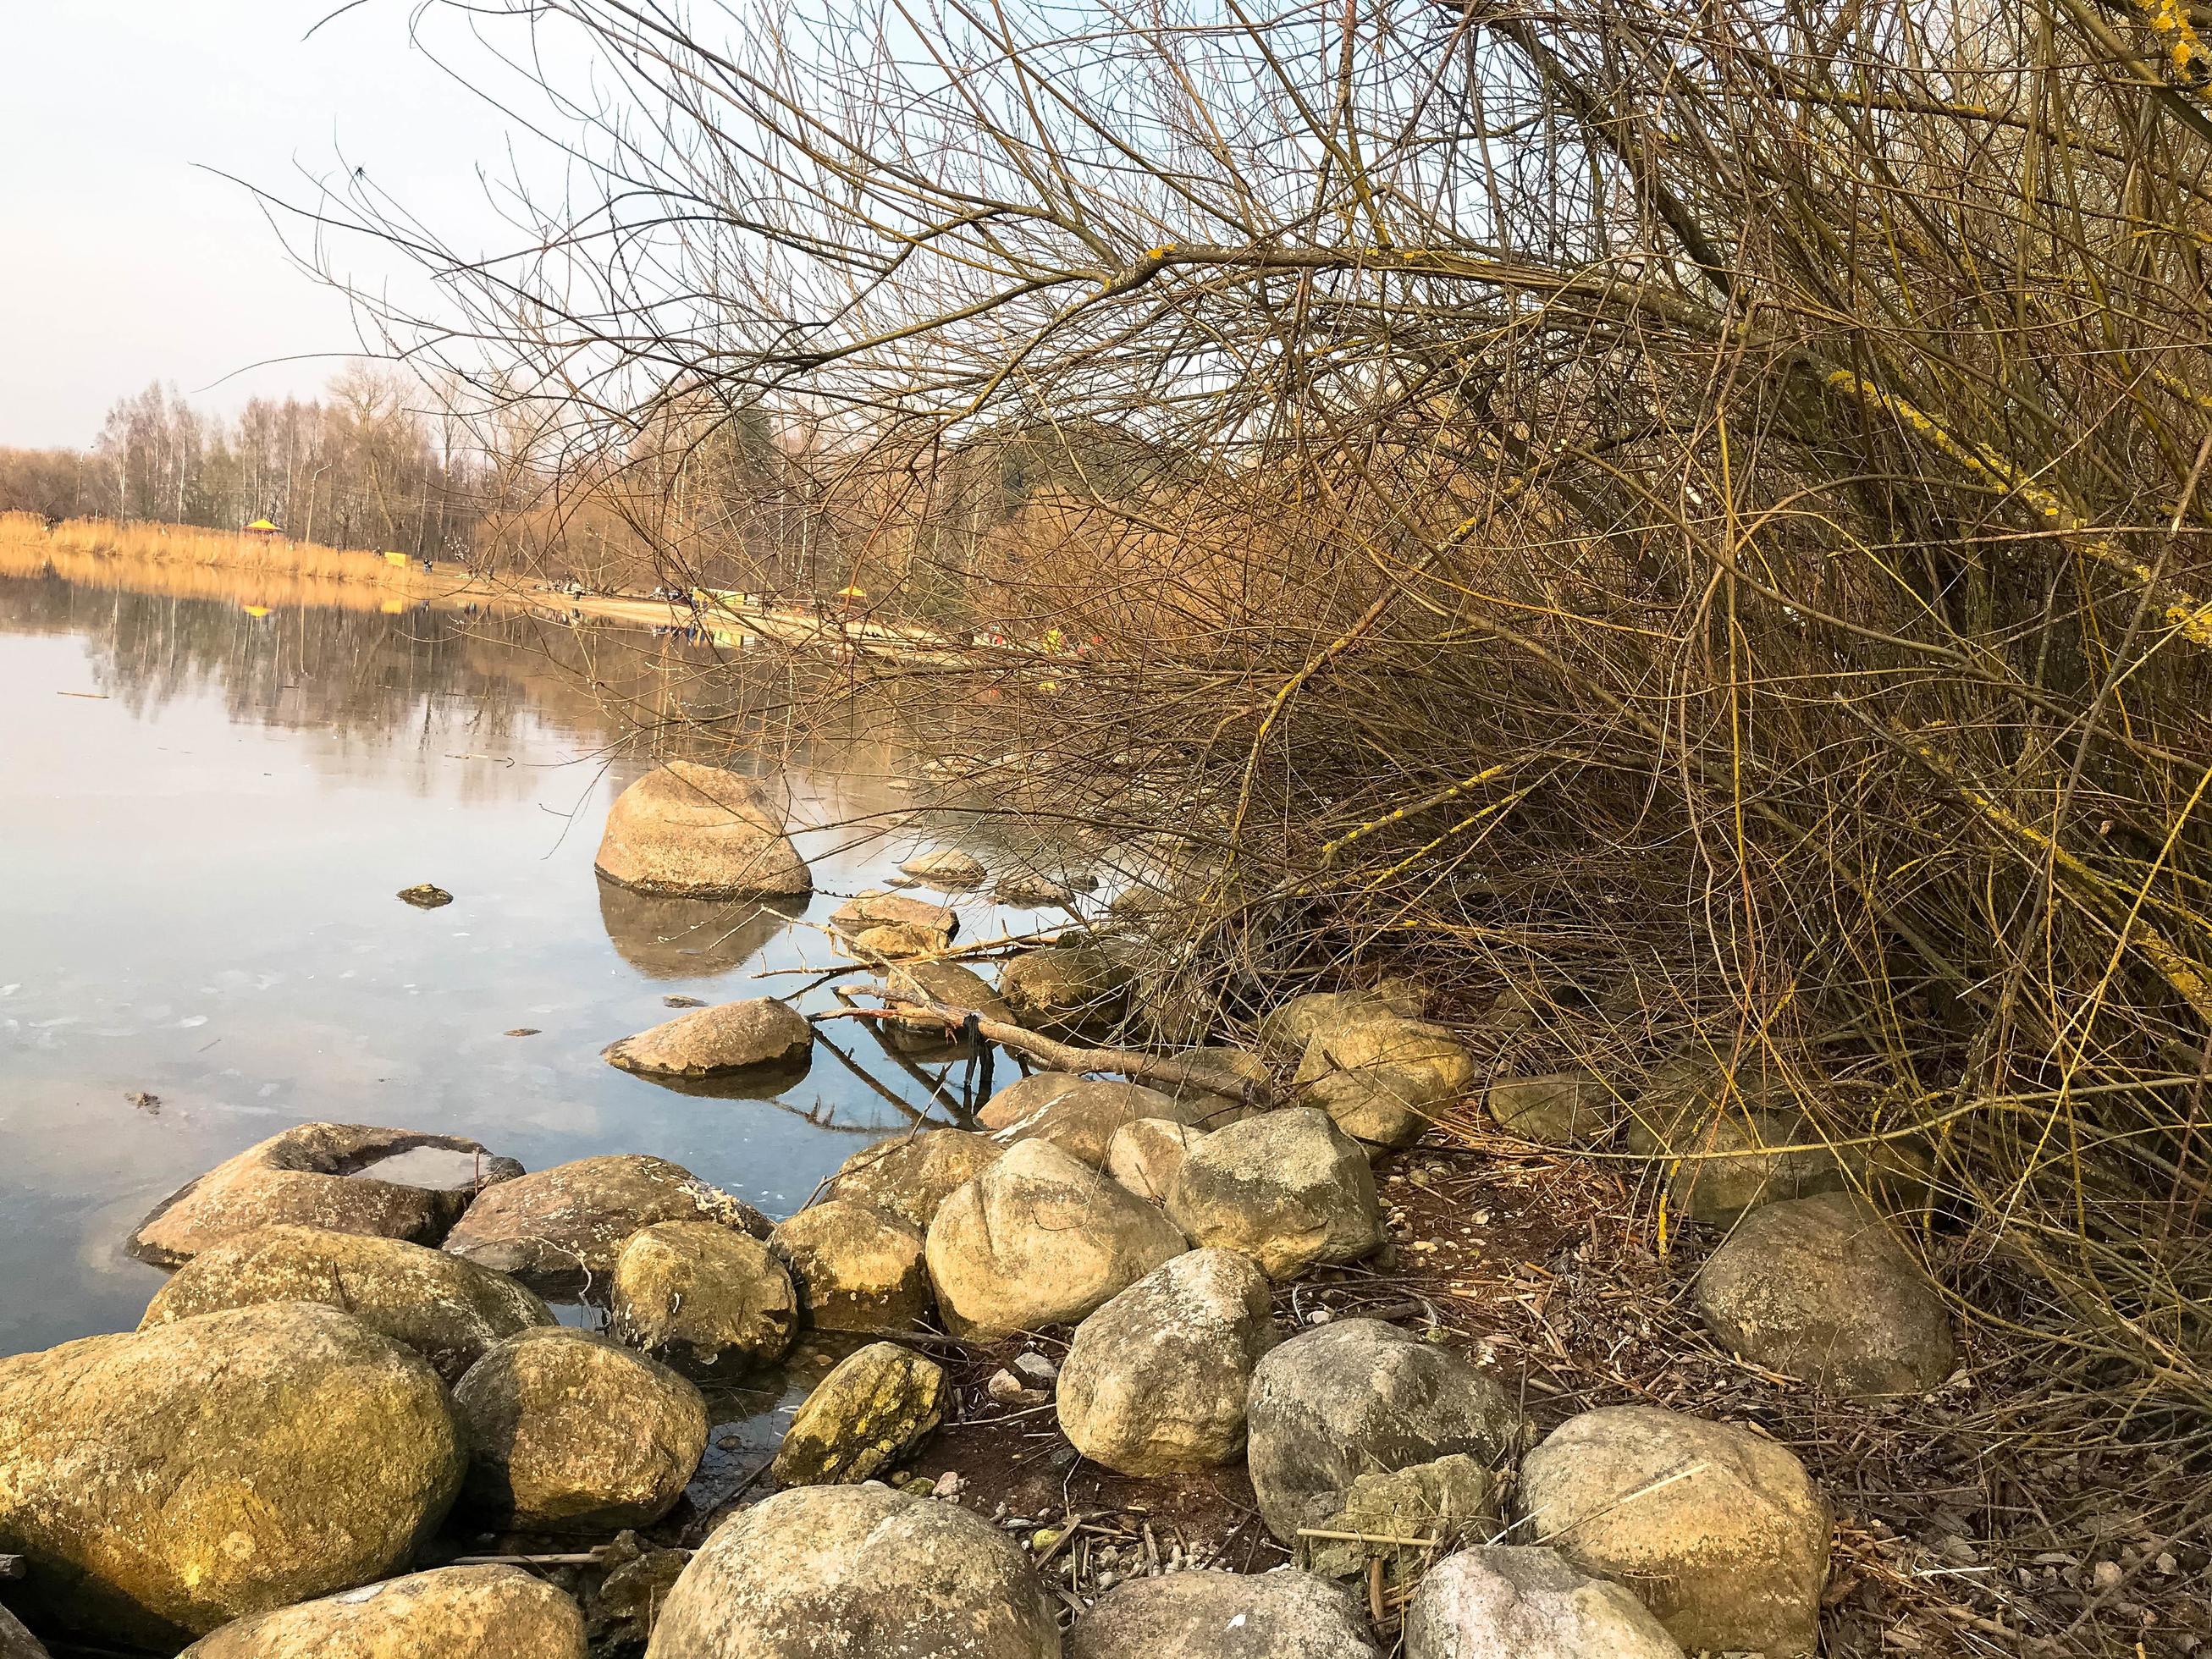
[(200, 871)]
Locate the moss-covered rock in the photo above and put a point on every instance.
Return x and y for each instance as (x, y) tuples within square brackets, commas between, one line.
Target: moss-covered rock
[(702, 1294), (447, 1309), (568, 1432), (869, 1414), (856, 1269), (454, 1612), (169, 1481)]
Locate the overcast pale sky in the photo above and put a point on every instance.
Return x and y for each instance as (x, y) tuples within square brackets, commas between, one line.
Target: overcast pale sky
[(126, 262)]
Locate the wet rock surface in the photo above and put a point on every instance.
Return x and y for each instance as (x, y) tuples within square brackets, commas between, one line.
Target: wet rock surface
[(447, 1309), (855, 1268), (560, 1229), (702, 1293), (1040, 1238), (856, 1570), (1359, 1396), (1287, 1188), (1520, 1603), (568, 1432), (693, 831), (167, 1482), (452, 1613), (1720, 1530), (343, 1176), (731, 1036), (1220, 1615), (869, 1414), (1156, 1380)]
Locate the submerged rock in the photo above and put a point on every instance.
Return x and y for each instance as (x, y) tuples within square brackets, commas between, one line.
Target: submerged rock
[(693, 831), (1555, 1109), (1066, 987), (856, 1268), (1357, 1397), (347, 1177), (560, 1229), (860, 1571), (732, 1036), (702, 1293), (910, 1176), (1040, 1238), (1156, 1380), (1384, 1079), (1821, 1288), (870, 1413), (1078, 1114), (568, 1432), (454, 1613), (1283, 1614), (445, 1309), (947, 867), (169, 1481), (666, 938), (424, 896), (1519, 1602), (1145, 1155), (1287, 1188), (1720, 1530)]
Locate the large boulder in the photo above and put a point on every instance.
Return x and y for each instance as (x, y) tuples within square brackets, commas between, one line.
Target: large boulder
[(560, 1229), (1066, 987), (731, 1036), (1145, 1155), (953, 986), (1720, 1531), (1040, 1238), (1512, 1602), (1078, 1114), (856, 1268), (1821, 1288), (860, 1571), (568, 1432), (1384, 1079), (163, 1482), (699, 1293), (1287, 1188), (1554, 1108), (910, 1176), (445, 1309), (1732, 1162), (947, 867), (1224, 1615), (1285, 1032), (890, 926), (454, 1612), (874, 1407), (1351, 1398), (1156, 1380), (347, 1177), (693, 831)]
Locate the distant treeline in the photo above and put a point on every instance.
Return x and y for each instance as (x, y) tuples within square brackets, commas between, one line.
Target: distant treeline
[(360, 467)]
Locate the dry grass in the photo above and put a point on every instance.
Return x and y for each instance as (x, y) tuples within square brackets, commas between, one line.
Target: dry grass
[(78, 546)]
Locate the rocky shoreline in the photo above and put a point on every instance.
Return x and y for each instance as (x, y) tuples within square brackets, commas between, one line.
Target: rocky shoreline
[(1181, 1366)]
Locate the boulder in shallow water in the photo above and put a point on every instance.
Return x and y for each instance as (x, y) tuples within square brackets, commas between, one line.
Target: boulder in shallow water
[(454, 1613), (1029, 889), (862, 1570), (447, 1309), (870, 1413), (702, 1293), (948, 867), (856, 1268), (1555, 1109), (568, 1432), (1074, 988), (1821, 1288), (1144, 1155), (1720, 1531), (1287, 1188), (1382, 1078), (909, 1176), (1283, 1614), (1511, 1602), (692, 831), (347, 1177), (731, 1036), (166, 1482), (1040, 1238), (1357, 1396), (950, 984), (667, 938), (1078, 1114), (560, 1229), (1156, 1380), (900, 927)]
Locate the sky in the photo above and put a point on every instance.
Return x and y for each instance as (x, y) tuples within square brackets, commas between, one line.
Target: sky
[(130, 260)]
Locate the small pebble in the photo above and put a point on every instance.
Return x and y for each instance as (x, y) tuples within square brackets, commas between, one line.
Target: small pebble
[(2107, 1574), (1037, 1370), (947, 1485), (1320, 1316)]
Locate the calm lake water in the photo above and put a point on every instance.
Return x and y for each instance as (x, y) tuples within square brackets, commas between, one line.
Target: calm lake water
[(204, 817)]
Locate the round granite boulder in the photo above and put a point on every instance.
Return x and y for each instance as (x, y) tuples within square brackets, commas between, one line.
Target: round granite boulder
[(1287, 1188), (1066, 987), (1078, 1114), (1555, 1109), (870, 1413), (855, 1268), (445, 1309), (702, 1293), (454, 1613), (693, 831), (1145, 1155), (1384, 1080), (1518, 1603), (946, 867)]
